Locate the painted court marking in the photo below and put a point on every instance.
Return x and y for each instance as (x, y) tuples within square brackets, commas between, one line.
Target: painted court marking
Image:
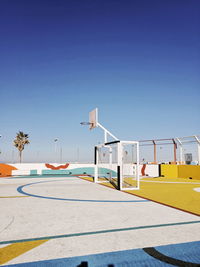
[(159, 256), (99, 232), (20, 189), (16, 249), (197, 189)]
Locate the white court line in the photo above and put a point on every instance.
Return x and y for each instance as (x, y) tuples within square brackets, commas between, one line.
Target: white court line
[(197, 189)]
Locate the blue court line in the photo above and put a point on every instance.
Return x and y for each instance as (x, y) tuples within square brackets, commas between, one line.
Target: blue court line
[(20, 190), (99, 232), (184, 253)]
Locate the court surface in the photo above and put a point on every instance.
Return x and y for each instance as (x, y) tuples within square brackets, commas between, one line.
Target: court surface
[(68, 221), (180, 193)]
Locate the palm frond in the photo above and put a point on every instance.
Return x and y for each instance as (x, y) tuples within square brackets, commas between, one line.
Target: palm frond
[(20, 141)]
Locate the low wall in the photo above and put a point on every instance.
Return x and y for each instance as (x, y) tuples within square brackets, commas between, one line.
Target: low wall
[(151, 170), (189, 171), (18, 169), (166, 170), (52, 168), (170, 171), (180, 171), (6, 169)]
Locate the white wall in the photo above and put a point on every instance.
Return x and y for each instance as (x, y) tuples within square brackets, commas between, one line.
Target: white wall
[(24, 168)]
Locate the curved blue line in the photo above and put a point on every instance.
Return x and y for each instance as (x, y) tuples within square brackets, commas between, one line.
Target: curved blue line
[(20, 190)]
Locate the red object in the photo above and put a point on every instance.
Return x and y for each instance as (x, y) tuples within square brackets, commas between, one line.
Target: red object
[(143, 169), (49, 166)]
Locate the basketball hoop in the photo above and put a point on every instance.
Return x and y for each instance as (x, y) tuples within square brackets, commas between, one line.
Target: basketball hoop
[(85, 123), (91, 124)]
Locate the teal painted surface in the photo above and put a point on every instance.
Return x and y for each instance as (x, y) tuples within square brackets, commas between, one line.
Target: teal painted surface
[(85, 170), (106, 172), (33, 172), (76, 171), (47, 172), (88, 170)]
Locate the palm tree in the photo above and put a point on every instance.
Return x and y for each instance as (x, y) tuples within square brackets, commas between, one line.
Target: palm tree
[(20, 141)]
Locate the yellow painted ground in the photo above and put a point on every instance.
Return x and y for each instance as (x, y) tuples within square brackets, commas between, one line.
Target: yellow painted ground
[(175, 192), (12, 251), (178, 193)]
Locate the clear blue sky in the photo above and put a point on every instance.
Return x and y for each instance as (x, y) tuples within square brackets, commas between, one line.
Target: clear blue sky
[(137, 61)]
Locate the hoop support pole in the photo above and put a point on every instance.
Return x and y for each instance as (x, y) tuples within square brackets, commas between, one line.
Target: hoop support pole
[(106, 133)]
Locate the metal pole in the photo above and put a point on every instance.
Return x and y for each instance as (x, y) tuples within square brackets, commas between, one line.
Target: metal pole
[(106, 132), (96, 162), (180, 150), (154, 144), (55, 141), (119, 164), (105, 137), (198, 148), (181, 154), (137, 166), (175, 147), (110, 155), (110, 161)]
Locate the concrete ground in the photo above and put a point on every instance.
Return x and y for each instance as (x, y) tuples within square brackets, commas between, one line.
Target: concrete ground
[(54, 220)]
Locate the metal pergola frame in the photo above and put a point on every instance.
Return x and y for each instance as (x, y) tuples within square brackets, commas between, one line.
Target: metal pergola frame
[(176, 142)]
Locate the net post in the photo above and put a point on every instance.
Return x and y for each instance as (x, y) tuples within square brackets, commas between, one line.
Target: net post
[(137, 165), (95, 164), (119, 177), (180, 150), (119, 165), (120, 171), (198, 148)]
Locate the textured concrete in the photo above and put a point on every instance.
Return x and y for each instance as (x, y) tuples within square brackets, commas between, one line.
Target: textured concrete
[(63, 206)]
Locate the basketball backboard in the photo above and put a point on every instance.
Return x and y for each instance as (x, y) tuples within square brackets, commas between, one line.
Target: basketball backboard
[(93, 118)]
